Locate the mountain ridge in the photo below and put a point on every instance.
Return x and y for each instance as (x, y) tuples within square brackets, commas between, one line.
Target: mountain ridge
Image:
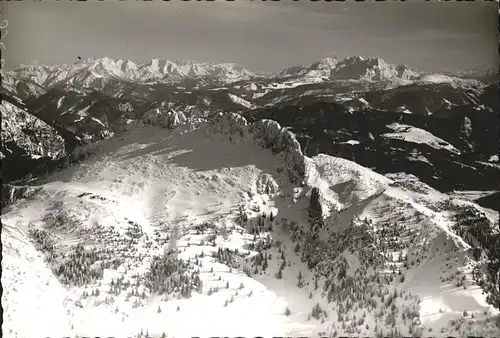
[(152, 178), (355, 67)]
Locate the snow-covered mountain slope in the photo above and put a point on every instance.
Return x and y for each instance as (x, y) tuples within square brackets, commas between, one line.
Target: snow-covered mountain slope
[(184, 180), (97, 72), (215, 224), (29, 289)]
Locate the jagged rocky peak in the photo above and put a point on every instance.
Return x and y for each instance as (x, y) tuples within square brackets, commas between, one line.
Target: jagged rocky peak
[(327, 63), (164, 117), (229, 124), (353, 68), (95, 72), (371, 69), (269, 134), (161, 66)]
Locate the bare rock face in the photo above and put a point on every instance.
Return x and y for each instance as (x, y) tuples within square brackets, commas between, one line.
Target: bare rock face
[(24, 134), (371, 69), (269, 134), (229, 124), (12, 193), (164, 118)]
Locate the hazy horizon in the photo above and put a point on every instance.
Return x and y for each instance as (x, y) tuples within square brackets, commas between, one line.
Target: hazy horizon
[(261, 36)]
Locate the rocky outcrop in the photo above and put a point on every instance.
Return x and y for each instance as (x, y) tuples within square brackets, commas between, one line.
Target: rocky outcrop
[(12, 193), (164, 118), (24, 131), (229, 124), (371, 69), (269, 134), (266, 184), (27, 142)]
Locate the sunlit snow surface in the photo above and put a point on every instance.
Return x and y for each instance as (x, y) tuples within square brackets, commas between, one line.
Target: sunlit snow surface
[(160, 179), (154, 177)]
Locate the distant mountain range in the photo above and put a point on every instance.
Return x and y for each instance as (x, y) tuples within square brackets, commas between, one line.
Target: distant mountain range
[(94, 99), (89, 72)]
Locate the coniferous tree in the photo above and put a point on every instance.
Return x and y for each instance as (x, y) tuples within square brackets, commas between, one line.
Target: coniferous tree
[(297, 247), (279, 274), (315, 210), (265, 264), (316, 311)]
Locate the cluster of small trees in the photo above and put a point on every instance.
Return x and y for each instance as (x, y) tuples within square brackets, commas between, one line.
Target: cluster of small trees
[(121, 285), (317, 311), (201, 228), (231, 258), (133, 230), (279, 274), (94, 293), (79, 269), (257, 227), (390, 235), (43, 241), (242, 218), (475, 228), (261, 259), (315, 210), (167, 275), (293, 229)]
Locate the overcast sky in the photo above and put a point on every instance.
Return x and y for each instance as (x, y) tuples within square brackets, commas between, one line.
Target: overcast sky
[(269, 36)]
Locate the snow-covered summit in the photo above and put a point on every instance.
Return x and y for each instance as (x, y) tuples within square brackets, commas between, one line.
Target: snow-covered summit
[(94, 71), (353, 68)]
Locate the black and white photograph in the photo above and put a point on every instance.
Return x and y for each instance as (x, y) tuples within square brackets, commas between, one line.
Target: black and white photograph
[(250, 168)]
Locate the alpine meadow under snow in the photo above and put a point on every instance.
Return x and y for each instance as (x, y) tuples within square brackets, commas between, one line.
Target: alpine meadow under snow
[(179, 199)]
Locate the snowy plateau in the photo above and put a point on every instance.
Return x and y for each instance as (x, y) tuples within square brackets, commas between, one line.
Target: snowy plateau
[(165, 200)]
